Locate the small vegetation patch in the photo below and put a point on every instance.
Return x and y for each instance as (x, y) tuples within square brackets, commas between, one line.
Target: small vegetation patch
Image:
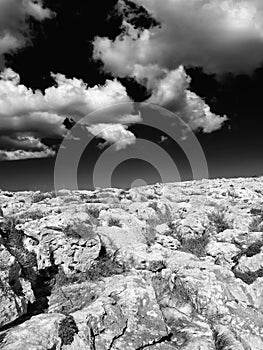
[(256, 211), (154, 206), (164, 216), (254, 248), (150, 233), (254, 225), (32, 215), (67, 329), (114, 222), (13, 240), (222, 341), (94, 212), (183, 291), (195, 245), (104, 266), (188, 294), (218, 220), (151, 197), (71, 199), (78, 229), (40, 196)]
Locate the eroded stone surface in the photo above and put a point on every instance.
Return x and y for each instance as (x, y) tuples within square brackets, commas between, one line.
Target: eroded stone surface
[(167, 266)]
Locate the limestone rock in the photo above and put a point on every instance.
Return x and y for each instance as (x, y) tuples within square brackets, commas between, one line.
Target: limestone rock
[(166, 266)]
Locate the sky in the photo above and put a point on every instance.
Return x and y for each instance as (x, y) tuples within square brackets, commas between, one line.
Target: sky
[(64, 64)]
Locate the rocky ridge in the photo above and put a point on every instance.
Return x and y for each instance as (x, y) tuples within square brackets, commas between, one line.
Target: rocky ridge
[(166, 266)]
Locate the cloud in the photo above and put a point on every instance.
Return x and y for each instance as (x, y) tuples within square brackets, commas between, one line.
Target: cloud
[(70, 97), (25, 143), (155, 56), (218, 35), (116, 134), (36, 114), (21, 154), (14, 28), (170, 90), (23, 147)]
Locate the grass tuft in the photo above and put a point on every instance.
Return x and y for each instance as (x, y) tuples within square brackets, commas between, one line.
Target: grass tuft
[(67, 329), (219, 220)]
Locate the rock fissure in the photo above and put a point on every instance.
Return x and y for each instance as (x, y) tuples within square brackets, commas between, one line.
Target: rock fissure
[(118, 336), (165, 339)]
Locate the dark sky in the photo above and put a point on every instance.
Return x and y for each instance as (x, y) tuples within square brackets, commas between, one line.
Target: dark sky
[(63, 44)]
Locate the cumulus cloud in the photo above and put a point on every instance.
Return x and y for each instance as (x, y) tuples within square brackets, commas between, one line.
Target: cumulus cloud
[(170, 90), (116, 134), (155, 56), (218, 35), (70, 97), (25, 143), (21, 154), (36, 114), (23, 147), (14, 15)]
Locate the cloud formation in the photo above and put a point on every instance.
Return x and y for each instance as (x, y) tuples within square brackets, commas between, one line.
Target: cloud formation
[(23, 147), (22, 155), (27, 116), (116, 134), (218, 35), (14, 30), (170, 89)]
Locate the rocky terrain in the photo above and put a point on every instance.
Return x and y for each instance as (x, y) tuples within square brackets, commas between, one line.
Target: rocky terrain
[(167, 266)]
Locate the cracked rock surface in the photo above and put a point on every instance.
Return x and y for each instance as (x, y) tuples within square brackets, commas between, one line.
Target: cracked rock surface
[(166, 266)]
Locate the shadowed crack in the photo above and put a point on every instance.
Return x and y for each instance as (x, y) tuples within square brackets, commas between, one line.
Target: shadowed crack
[(119, 335), (166, 338), (248, 277)]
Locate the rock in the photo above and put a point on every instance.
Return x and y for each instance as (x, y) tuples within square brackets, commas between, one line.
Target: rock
[(38, 333), (225, 249), (16, 292), (142, 268), (68, 240), (125, 316)]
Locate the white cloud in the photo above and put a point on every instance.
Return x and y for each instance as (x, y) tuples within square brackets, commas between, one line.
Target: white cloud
[(21, 154), (24, 112), (170, 90), (70, 97), (26, 143), (14, 30), (218, 35), (116, 134), (23, 147), (198, 115), (154, 57)]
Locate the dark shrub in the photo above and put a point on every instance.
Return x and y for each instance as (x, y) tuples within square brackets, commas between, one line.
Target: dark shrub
[(39, 197), (222, 341), (78, 229), (94, 212), (254, 225), (114, 222), (105, 266), (67, 329), (196, 245), (218, 220)]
